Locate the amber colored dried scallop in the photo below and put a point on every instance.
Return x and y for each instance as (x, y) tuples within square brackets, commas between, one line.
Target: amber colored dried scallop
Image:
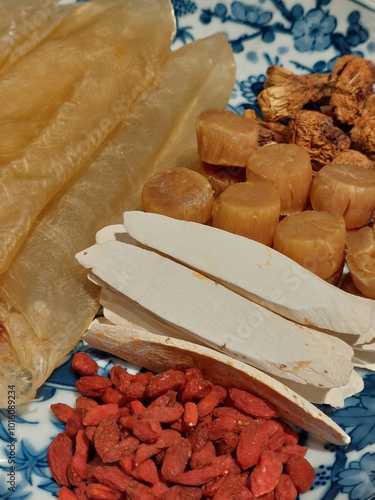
[(360, 257), (220, 177), (225, 138), (316, 240), (251, 209), (344, 189), (180, 193), (288, 168)]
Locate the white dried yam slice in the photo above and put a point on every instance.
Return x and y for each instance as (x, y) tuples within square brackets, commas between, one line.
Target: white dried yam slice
[(257, 272), (215, 315), (334, 397), (158, 353)]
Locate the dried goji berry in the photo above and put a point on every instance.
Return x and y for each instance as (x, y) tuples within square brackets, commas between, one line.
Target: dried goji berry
[(84, 364), (59, 455), (80, 491), (291, 436), (252, 405), (193, 373), (93, 386), (84, 403), (62, 411), (139, 491), (198, 436), (196, 388), (78, 464), (112, 476), (96, 414), (137, 407), (178, 492), (207, 404), (301, 473), (165, 381), (276, 440), (228, 443), (204, 456), (66, 494), (268, 496), (241, 418), (167, 399), (108, 443), (164, 414), (175, 459), (146, 471), (113, 396), (286, 451), (177, 425), (234, 480), (219, 426), (285, 489), (252, 442), (266, 474), (165, 439), (74, 423), (218, 467), (90, 432), (190, 415), (128, 421), (120, 377), (159, 489), (147, 430), (99, 491), (136, 390), (233, 492)]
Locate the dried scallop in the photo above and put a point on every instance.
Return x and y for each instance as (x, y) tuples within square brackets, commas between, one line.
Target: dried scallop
[(345, 189), (316, 240), (360, 257), (288, 168), (179, 192), (250, 209)]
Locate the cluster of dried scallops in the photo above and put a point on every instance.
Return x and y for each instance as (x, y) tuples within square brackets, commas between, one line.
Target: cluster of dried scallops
[(92, 101), (290, 181)]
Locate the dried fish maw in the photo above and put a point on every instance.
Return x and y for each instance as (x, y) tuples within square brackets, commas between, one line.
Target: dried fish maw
[(48, 301), (22, 27), (91, 106)]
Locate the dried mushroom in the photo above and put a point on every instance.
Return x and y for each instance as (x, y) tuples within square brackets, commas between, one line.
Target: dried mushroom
[(268, 131), (363, 132), (354, 78), (317, 133), (285, 93), (353, 157)]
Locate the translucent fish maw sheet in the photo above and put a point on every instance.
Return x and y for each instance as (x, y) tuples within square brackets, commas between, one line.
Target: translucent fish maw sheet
[(109, 51), (48, 302), (24, 23)]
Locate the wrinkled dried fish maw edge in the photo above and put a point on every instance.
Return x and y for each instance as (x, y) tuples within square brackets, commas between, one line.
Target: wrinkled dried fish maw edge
[(206, 46), (58, 12), (23, 214)]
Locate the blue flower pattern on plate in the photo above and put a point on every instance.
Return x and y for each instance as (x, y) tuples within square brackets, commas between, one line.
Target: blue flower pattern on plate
[(309, 37)]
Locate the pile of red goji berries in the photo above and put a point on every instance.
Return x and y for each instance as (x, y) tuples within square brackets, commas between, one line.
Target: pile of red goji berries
[(172, 436)]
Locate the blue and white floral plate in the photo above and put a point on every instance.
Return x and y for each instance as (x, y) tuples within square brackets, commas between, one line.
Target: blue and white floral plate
[(305, 37)]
